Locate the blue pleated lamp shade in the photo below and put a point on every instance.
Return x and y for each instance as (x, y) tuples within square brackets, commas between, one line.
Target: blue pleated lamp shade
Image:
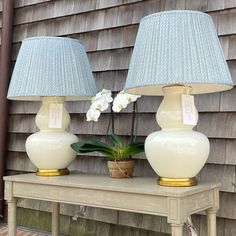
[(177, 47), (52, 66)]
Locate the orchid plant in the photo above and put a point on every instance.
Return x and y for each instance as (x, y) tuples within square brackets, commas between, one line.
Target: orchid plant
[(117, 150)]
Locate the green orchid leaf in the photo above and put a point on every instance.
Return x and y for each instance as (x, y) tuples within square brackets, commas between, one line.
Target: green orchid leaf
[(94, 146), (90, 144), (116, 140), (133, 149)]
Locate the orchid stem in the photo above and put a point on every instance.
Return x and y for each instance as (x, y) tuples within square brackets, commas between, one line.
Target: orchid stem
[(133, 122), (112, 119), (112, 122)]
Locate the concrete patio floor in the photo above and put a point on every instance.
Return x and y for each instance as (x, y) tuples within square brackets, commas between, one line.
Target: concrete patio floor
[(21, 231)]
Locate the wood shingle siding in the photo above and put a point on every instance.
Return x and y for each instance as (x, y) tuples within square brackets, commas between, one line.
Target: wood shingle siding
[(108, 30)]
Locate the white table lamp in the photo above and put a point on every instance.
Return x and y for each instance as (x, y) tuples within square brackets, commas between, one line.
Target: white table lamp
[(52, 70), (176, 53)]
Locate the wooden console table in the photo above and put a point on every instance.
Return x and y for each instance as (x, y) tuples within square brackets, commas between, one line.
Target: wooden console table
[(137, 194)]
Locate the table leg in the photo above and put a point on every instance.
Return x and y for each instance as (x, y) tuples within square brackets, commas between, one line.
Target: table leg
[(55, 219), (12, 217), (211, 222), (176, 229)]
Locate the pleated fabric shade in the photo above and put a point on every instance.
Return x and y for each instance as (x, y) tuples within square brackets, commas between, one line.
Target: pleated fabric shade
[(52, 66), (177, 47)]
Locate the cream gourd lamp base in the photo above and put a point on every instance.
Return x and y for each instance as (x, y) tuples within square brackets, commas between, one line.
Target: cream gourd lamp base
[(176, 153), (177, 52), (49, 149), (51, 70)]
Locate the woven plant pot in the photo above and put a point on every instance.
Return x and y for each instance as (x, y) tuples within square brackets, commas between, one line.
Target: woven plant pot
[(121, 169)]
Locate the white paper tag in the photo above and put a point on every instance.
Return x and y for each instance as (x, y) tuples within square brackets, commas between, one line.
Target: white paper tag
[(55, 115), (188, 110)]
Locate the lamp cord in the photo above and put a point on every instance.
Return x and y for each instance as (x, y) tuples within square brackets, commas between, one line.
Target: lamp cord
[(190, 226)]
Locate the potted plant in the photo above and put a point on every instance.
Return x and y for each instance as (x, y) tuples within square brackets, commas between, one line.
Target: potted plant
[(118, 153)]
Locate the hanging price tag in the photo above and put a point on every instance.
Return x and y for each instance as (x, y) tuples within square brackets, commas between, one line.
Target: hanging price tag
[(55, 115), (188, 110)]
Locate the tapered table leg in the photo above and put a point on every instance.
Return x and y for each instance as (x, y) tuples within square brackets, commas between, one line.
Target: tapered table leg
[(211, 222), (176, 229), (12, 217), (55, 219)]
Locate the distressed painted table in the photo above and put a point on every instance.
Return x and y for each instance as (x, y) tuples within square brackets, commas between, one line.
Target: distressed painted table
[(137, 194)]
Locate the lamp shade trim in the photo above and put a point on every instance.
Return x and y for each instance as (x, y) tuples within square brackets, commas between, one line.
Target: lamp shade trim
[(53, 38), (52, 66), (174, 12), (177, 47), (156, 90)]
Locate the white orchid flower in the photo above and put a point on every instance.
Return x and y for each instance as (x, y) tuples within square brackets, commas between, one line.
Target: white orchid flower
[(101, 100), (122, 100), (117, 107), (93, 114), (100, 104), (97, 96), (132, 97), (107, 94), (104, 93)]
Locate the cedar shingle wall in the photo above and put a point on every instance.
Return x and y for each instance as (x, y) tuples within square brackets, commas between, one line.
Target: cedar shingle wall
[(108, 29)]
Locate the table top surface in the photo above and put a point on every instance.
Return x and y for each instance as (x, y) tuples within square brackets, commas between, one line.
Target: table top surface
[(140, 185)]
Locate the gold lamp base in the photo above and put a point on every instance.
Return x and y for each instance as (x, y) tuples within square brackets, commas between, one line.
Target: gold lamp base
[(172, 182), (48, 173)]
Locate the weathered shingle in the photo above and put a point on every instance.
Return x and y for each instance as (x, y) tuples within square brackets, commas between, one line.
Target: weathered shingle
[(22, 3), (198, 5), (227, 20), (214, 5)]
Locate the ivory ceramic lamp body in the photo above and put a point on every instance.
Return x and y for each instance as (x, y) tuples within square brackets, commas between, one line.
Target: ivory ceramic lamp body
[(52, 70), (175, 53)]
